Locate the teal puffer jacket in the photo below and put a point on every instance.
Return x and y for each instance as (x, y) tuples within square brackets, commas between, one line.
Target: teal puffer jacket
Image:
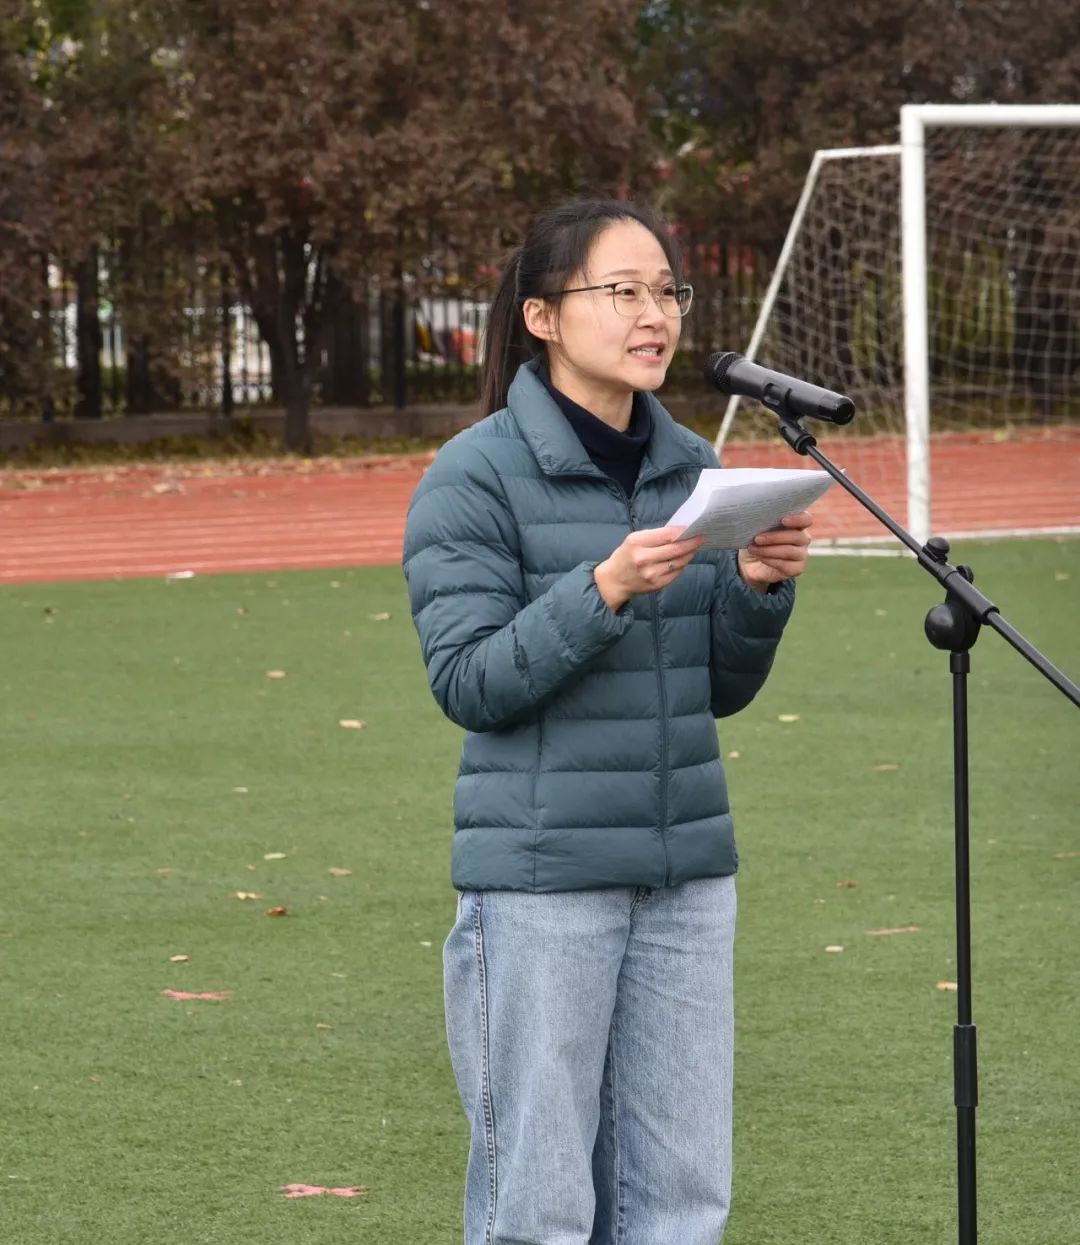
[(591, 757)]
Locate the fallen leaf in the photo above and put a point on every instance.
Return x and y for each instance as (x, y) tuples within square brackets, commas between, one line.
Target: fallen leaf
[(880, 613), (352, 724), (321, 1025), (180, 575), (734, 756), (1061, 576), (240, 790), (167, 870), (378, 617), (179, 959), (338, 974), (275, 856), (277, 911), (313, 1190), (336, 871), (246, 895), (95, 1078), (215, 996), (1066, 855), (788, 717), (901, 929), (833, 947), (946, 985), (275, 674), (846, 884), (885, 767), (238, 1081)]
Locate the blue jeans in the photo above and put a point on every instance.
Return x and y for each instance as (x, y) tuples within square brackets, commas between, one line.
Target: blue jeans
[(591, 1037)]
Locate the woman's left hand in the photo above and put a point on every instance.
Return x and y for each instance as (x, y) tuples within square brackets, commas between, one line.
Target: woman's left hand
[(777, 555)]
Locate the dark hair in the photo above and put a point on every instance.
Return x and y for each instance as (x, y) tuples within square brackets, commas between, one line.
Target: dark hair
[(558, 245)]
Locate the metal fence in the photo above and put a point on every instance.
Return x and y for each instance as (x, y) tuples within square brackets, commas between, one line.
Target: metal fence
[(188, 343)]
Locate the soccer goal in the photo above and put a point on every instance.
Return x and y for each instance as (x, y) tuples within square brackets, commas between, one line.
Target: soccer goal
[(937, 282)]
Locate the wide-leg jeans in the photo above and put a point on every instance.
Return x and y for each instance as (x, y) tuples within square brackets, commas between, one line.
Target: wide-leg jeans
[(591, 1037)]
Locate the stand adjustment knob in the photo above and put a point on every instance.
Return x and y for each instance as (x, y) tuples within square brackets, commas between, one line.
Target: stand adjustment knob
[(937, 548)]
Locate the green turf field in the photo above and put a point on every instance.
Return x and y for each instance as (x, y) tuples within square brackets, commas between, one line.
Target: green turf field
[(149, 765)]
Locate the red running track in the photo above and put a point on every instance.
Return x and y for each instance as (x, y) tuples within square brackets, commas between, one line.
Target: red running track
[(157, 520)]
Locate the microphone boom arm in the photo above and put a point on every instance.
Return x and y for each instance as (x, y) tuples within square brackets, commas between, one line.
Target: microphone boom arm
[(932, 557)]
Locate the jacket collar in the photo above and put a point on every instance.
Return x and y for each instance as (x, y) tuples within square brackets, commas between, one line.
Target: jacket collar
[(556, 447)]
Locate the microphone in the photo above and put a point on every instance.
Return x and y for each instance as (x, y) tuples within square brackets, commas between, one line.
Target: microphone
[(732, 373)]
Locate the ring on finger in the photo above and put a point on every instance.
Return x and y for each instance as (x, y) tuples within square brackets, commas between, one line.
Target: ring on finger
[(671, 565)]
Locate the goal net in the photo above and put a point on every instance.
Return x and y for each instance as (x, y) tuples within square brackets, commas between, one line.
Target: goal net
[(997, 425)]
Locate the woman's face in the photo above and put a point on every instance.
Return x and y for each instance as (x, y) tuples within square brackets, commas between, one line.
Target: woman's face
[(592, 345)]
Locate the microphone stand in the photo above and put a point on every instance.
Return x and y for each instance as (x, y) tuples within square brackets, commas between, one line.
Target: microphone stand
[(954, 626)]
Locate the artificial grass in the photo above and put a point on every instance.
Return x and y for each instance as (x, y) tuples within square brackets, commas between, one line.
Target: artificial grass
[(132, 713)]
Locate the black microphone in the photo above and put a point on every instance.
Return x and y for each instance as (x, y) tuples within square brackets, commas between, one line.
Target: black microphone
[(733, 373)]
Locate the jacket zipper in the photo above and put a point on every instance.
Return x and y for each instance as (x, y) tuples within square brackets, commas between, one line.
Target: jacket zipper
[(655, 601), (629, 501)]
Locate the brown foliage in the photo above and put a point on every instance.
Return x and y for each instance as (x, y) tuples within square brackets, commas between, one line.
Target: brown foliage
[(23, 228), (348, 137), (314, 145), (769, 83)]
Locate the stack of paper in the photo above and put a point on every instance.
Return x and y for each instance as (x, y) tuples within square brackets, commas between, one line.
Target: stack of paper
[(730, 505)]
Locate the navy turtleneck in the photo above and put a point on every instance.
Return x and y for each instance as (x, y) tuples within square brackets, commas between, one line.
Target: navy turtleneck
[(617, 454)]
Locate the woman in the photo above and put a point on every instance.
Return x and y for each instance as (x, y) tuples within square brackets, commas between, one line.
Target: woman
[(586, 651)]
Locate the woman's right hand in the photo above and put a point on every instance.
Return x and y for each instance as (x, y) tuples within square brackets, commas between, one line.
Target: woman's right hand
[(645, 562)]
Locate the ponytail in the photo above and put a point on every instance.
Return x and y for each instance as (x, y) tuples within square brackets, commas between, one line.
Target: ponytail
[(507, 342)]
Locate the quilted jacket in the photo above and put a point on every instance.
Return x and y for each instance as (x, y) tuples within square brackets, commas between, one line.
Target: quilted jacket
[(591, 756)]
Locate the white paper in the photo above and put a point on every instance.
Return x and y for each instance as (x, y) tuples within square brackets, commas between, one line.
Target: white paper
[(730, 505)]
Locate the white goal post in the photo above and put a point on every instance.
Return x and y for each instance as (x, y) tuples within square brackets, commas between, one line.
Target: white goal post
[(915, 259)]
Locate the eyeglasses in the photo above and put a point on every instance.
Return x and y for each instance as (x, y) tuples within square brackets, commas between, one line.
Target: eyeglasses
[(630, 298)]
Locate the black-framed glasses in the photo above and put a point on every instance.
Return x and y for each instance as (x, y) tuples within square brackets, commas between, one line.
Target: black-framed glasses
[(630, 298)]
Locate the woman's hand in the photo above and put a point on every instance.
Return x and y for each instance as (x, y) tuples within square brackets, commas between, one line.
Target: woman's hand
[(777, 555), (645, 562)]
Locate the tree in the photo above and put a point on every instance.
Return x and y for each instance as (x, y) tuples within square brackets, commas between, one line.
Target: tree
[(25, 134), (312, 147), (334, 139), (78, 77)]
